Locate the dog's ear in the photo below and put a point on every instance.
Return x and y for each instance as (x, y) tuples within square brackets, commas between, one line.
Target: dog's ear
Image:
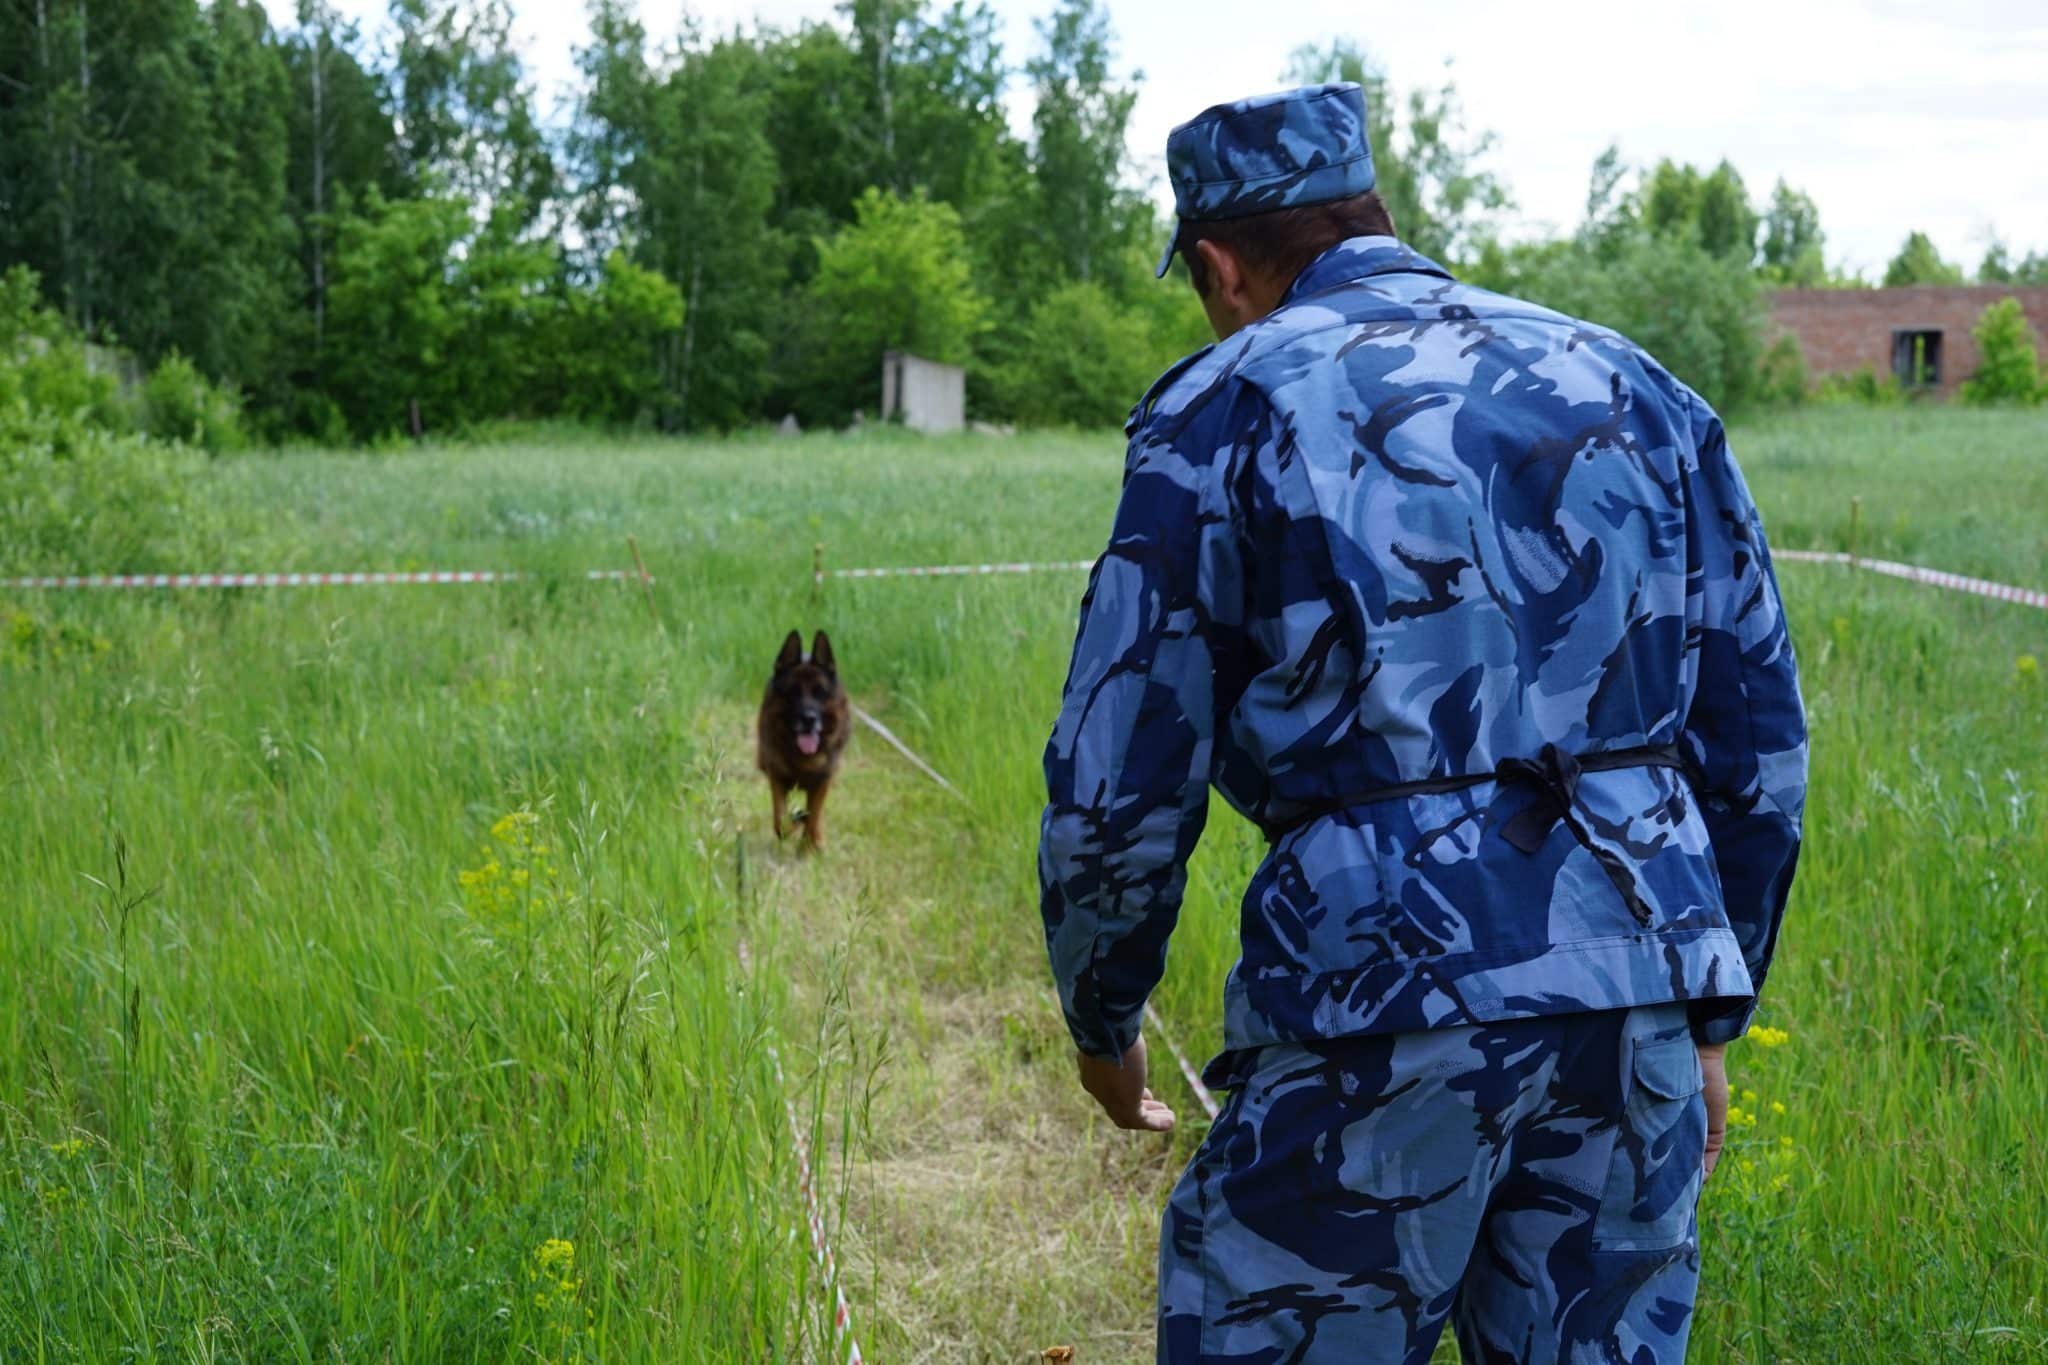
[(821, 652), (792, 652)]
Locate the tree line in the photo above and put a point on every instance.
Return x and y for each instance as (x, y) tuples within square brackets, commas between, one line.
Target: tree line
[(360, 235)]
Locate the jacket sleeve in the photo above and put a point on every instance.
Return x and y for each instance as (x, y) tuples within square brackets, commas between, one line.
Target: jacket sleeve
[(1127, 767), (1746, 731)]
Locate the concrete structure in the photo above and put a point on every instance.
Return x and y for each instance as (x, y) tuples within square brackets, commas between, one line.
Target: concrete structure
[(1921, 334), (928, 396)]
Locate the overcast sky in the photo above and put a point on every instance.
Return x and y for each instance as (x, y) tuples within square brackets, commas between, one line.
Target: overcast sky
[(1892, 114)]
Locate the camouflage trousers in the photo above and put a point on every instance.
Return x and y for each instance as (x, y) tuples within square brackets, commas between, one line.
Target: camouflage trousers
[(1531, 1181)]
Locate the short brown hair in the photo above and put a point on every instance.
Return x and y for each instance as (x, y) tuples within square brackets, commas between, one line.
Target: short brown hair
[(1285, 242)]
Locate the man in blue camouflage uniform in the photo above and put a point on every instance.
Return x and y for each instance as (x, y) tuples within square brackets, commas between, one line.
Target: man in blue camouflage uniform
[(1467, 605)]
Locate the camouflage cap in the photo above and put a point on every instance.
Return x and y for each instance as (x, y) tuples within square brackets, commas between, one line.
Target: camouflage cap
[(1279, 151)]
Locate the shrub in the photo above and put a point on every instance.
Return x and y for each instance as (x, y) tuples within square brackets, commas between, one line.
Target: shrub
[(79, 499), (80, 490), (1862, 386), (43, 362), (609, 357), (178, 404), (1782, 378), (897, 278), (1699, 314), (2010, 371), (1078, 359)]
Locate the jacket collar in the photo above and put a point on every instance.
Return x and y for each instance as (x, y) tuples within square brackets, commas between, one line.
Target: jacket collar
[(1357, 259)]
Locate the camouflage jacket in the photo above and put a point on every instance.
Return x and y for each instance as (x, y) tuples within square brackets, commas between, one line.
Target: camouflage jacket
[(1404, 529)]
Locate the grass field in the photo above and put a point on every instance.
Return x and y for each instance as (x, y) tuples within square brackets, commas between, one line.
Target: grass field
[(369, 955)]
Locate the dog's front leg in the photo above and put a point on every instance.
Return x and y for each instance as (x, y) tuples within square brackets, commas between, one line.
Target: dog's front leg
[(814, 815), (779, 794)]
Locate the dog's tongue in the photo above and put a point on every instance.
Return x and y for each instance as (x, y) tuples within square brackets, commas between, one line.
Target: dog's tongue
[(807, 744)]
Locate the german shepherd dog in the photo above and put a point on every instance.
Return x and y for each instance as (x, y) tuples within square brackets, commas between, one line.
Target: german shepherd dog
[(802, 731)]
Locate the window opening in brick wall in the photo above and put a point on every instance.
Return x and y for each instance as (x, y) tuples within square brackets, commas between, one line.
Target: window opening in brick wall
[(1916, 356)]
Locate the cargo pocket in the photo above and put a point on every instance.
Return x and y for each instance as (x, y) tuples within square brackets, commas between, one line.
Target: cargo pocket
[(1653, 1177)]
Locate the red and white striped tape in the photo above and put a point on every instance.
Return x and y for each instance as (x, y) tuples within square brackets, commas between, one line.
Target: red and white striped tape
[(821, 1245), (1913, 573), (286, 580), (956, 570), (1981, 587)]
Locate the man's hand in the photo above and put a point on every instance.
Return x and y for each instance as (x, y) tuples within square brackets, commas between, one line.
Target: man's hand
[(1121, 1092), (1714, 1070)]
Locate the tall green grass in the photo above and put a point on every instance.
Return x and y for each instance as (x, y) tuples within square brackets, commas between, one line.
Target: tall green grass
[(277, 1081)]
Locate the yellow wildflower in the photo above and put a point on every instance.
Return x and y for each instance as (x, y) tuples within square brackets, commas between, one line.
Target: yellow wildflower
[(2029, 667), (554, 1273), (515, 828), (1778, 1108), (1749, 1097), (67, 1149), (1768, 1037)]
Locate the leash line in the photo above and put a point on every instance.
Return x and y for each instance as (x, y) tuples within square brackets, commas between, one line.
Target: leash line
[(1203, 1096), (927, 769), (1202, 1093)]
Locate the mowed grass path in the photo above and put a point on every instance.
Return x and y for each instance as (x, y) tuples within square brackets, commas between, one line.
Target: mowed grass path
[(307, 1051)]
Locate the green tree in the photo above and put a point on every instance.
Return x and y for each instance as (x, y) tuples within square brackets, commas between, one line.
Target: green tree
[(927, 110), (1698, 312), (393, 320), (676, 167), (814, 78), (1712, 209), (1793, 243), (609, 354), (232, 287), (898, 278), (705, 187), (341, 144), (1082, 356), (2010, 368), (1426, 162), (465, 112), (141, 161), (1918, 262), (1998, 267), (1083, 211), (1669, 199), (1727, 224), (611, 127)]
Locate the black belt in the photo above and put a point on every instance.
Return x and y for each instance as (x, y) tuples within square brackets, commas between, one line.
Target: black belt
[(1555, 775)]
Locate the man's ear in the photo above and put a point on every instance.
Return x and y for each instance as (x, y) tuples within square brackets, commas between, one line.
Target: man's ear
[(821, 652), (1230, 301), (792, 652), (1226, 272)]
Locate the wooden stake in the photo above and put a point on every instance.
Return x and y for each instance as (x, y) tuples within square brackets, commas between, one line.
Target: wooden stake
[(817, 575), (1855, 526), (646, 582)]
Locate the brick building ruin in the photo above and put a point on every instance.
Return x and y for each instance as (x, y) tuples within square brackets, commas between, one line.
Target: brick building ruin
[(1919, 334)]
